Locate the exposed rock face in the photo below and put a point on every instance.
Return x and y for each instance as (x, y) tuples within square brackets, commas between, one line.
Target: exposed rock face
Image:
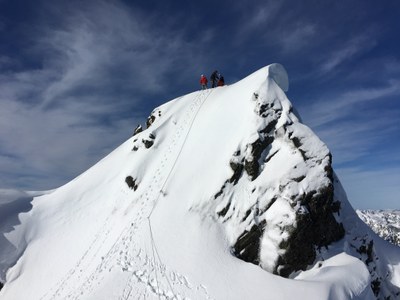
[(316, 229), (247, 245), (288, 216), (131, 183), (137, 130), (146, 142), (152, 117), (150, 120), (281, 207)]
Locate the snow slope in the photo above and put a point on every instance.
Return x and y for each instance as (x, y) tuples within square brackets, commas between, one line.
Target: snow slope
[(219, 175)]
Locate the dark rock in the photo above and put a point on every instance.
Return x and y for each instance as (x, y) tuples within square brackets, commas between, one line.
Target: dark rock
[(368, 250), (328, 168), (135, 148), (1, 285), (268, 158), (220, 192), (237, 169), (299, 250), (131, 183), (248, 212), (237, 172), (262, 211), (247, 246), (137, 130), (376, 286), (336, 206), (150, 120), (271, 126), (315, 229), (297, 143), (263, 110), (299, 179), (252, 166), (223, 212), (147, 143)]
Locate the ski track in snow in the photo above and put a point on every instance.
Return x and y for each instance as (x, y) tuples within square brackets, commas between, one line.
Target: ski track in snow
[(125, 253)]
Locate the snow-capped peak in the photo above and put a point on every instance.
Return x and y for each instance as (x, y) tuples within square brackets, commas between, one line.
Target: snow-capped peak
[(223, 191)]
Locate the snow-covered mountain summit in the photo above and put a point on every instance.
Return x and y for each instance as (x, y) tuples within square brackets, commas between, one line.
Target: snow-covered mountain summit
[(224, 191)]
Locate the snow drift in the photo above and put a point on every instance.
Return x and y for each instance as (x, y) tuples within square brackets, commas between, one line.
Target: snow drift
[(222, 193)]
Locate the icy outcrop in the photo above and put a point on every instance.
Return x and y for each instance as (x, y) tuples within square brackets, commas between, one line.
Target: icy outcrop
[(287, 212), (278, 73)]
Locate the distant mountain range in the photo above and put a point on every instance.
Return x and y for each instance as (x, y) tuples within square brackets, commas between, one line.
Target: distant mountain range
[(385, 223)]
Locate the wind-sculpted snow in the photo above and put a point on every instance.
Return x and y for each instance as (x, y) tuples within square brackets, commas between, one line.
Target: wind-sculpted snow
[(224, 191), (12, 203), (278, 73)]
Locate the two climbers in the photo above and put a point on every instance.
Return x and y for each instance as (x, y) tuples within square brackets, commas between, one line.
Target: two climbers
[(216, 80)]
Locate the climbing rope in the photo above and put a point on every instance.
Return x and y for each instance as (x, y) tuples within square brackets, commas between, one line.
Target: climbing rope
[(203, 94)]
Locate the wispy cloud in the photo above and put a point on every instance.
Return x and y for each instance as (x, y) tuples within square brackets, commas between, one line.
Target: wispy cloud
[(337, 107), (350, 49), (270, 24), (353, 139), (95, 67), (297, 37), (257, 16)]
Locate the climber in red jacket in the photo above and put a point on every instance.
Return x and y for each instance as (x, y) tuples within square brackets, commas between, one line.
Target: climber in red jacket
[(203, 82)]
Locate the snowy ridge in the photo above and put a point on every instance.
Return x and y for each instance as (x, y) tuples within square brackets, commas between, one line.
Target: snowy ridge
[(223, 190)]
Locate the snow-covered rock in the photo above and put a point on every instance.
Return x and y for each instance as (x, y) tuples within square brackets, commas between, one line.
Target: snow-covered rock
[(224, 191)]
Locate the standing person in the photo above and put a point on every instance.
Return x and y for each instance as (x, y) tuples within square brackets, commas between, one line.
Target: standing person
[(203, 82), (214, 78), (221, 81)]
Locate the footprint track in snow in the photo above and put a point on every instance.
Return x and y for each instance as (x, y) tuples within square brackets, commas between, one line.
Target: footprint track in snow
[(113, 251)]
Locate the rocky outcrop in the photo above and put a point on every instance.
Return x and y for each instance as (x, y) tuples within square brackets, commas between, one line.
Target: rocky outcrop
[(152, 117), (137, 130), (146, 142), (132, 184), (311, 214), (316, 227), (247, 246)]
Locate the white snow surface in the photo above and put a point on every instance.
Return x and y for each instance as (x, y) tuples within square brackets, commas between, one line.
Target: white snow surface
[(95, 238)]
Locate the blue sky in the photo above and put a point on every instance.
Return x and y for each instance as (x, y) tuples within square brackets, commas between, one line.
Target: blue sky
[(77, 76)]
